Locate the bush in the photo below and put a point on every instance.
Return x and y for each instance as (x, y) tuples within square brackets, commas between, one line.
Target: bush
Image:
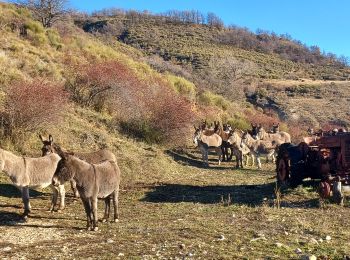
[(29, 106), (208, 98), (257, 117), (182, 86), (36, 33), (54, 38), (146, 108), (95, 85)]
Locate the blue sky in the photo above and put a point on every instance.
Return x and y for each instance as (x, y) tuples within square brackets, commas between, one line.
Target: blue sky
[(325, 23)]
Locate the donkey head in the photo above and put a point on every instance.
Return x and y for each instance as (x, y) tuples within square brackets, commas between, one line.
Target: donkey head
[(260, 132), (227, 127), (197, 135), (255, 130), (63, 172), (47, 145), (275, 128)]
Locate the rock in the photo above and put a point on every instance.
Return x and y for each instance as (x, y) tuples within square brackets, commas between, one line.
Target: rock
[(221, 237), (121, 254), (308, 257), (279, 244), (298, 251), (320, 240), (182, 246), (110, 241), (328, 238), (313, 241), (7, 249)]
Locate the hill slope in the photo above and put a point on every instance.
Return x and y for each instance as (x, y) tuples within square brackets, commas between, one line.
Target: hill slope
[(209, 58)]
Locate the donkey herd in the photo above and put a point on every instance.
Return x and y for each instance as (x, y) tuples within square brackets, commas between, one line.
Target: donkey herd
[(96, 175), (250, 144)]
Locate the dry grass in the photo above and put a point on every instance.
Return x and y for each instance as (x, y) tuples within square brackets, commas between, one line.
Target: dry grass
[(182, 210)]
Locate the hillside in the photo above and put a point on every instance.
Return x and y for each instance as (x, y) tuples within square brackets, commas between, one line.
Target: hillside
[(90, 91), (211, 58)]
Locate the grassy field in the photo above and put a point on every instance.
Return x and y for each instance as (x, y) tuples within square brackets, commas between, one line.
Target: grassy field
[(182, 211)]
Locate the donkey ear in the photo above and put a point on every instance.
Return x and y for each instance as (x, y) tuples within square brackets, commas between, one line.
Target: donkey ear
[(51, 138), (41, 138)]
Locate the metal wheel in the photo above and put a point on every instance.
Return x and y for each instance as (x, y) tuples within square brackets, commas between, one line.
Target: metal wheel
[(282, 173), (324, 189)]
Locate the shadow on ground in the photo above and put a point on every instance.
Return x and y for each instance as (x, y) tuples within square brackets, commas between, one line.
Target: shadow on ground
[(249, 195), (10, 218), (193, 158), (10, 191)]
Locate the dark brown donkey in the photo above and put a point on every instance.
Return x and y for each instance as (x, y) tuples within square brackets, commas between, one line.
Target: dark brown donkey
[(91, 157), (93, 181)]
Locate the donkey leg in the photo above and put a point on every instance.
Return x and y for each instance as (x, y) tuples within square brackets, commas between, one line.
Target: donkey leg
[(87, 207), (94, 213), (219, 152), (73, 185), (25, 199), (62, 193), (246, 161), (206, 158), (241, 159), (107, 208), (54, 198), (116, 204), (258, 162)]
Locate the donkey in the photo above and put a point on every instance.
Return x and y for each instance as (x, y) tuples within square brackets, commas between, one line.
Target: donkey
[(224, 133), (206, 142), (259, 147), (93, 181), (240, 149), (91, 157), (26, 172), (279, 138)]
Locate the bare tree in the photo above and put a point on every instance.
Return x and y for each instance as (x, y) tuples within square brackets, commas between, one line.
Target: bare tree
[(46, 11)]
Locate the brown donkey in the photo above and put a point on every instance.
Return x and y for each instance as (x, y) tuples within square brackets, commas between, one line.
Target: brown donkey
[(93, 181), (91, 157)]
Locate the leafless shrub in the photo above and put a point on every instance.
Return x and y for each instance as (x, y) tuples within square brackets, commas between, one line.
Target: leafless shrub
[(29, 106)]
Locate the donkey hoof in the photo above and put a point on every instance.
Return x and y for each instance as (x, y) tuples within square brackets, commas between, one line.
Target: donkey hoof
[(116, 220), (95, 229)]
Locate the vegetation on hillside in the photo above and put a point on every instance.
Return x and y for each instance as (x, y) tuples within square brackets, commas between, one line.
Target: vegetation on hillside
[(230, 61), (109, 78), (91, 92)]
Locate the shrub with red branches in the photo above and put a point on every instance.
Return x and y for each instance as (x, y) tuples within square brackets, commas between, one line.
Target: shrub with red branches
[(148, 108), (92, 85), (257, 117), (28, 106)]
